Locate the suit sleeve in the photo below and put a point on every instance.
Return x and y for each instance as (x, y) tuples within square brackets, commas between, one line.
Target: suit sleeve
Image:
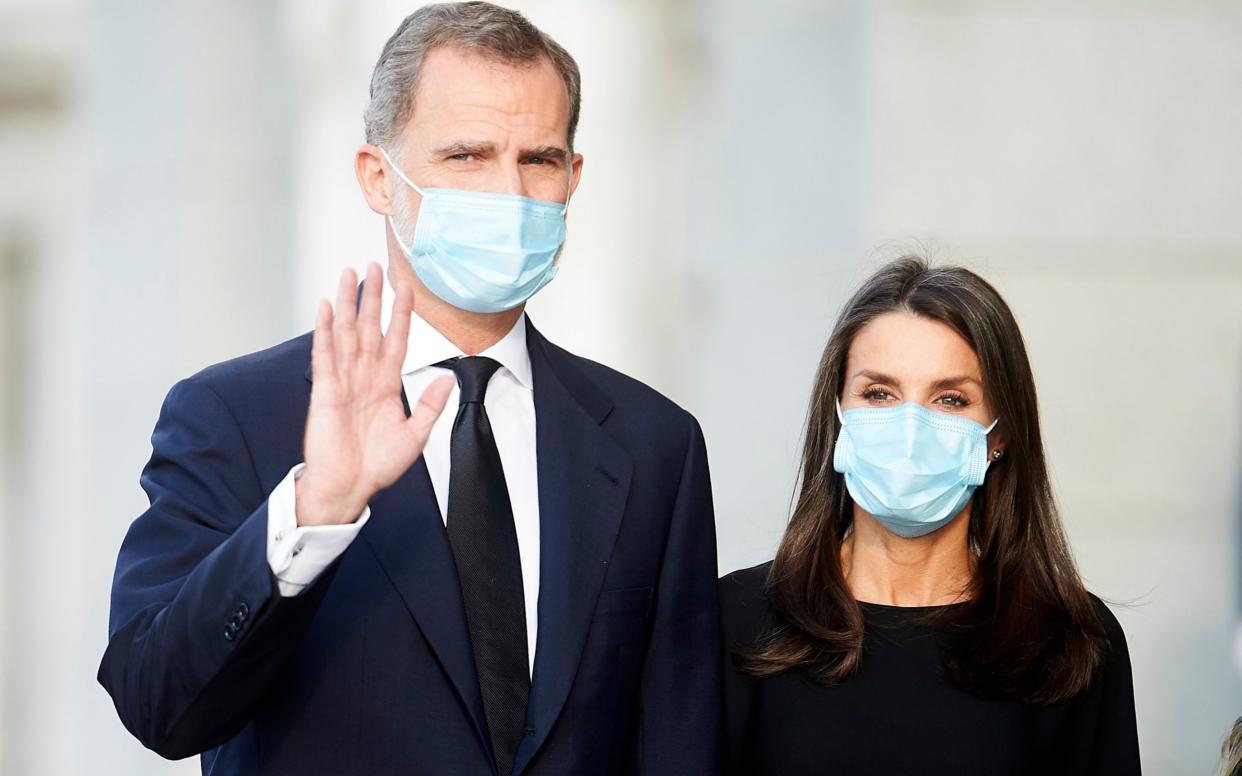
[(680, 715), (198, 630)]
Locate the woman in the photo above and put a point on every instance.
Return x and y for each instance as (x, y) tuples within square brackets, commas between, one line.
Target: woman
[(923, 613)]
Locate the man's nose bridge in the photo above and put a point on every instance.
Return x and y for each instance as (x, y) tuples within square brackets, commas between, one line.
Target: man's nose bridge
[(511, 176)]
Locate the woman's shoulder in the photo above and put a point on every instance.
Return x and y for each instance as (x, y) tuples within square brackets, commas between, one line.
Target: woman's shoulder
[(745, 613), (745, 587), (1113, 631), (1108, 620)]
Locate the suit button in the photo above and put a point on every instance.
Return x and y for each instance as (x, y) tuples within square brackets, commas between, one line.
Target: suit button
[(230, 632), (243, 611)]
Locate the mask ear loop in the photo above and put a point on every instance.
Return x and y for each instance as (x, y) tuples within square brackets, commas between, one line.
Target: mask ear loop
[(995, 456), (569, 191), (392, 224), (407, 249), (840, 417), (401, 174)]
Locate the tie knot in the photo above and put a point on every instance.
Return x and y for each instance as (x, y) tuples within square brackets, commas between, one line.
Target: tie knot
[(473, 374)]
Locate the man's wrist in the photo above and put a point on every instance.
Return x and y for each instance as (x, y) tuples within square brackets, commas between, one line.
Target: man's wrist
[(311, 508)]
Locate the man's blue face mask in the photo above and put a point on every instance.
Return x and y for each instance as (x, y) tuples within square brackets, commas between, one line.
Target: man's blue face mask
[(482, 252), (909, 467)]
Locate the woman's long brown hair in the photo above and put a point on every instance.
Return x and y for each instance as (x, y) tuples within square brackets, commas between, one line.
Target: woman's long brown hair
[(1029, 630)]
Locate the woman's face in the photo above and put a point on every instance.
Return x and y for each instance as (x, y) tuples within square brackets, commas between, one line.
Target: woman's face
[(899, 357)]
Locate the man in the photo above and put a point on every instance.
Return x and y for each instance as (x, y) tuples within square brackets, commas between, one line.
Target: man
[(326, 582)]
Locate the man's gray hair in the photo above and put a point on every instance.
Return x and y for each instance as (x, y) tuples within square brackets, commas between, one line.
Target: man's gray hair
[(482, 28)]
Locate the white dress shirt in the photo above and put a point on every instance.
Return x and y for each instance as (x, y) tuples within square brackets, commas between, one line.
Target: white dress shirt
[(298, 554)]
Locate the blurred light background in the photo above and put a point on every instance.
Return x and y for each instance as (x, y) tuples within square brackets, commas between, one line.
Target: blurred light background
[(176, 188)]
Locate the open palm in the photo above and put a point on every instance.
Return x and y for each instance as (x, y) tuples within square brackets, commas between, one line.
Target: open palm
[(358, 438)]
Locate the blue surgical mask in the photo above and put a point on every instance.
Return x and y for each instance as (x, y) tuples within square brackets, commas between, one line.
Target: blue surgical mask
[(483, 252), (909, 467)]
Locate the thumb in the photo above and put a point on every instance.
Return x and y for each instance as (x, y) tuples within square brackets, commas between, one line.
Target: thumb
[(428, 409)]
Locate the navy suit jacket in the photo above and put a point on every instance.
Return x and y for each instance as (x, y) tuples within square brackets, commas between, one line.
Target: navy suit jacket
[(369, 670)]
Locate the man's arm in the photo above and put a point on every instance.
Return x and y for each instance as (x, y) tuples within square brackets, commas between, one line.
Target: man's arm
[(199, 625), (198, 629), (680, 704)]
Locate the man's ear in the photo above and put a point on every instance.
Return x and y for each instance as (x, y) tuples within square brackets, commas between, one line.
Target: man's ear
[(374, 180), (575, 167)]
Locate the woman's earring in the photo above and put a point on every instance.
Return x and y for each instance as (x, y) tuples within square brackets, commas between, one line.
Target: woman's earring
[(997, 453)]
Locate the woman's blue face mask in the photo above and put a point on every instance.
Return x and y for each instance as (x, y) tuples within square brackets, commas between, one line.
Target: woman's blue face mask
[(911, 468)]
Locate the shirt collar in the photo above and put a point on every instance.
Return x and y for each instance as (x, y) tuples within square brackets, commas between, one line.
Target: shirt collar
[(427, 346)]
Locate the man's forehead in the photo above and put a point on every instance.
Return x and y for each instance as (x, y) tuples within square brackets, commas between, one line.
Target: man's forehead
[(452, 75), (470, 99)]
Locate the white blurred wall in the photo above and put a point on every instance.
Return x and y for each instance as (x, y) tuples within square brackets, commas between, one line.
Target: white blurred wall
[(177, 188), (1086, 157)]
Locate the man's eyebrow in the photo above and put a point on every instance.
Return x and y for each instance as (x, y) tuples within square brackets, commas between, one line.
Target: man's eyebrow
[(550, 151), (476, 148)]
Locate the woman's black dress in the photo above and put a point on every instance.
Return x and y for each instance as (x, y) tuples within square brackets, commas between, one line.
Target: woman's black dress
[(900, 715)]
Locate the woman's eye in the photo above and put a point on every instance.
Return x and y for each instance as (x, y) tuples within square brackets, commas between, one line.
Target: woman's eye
[(954, 400), (876, 394)]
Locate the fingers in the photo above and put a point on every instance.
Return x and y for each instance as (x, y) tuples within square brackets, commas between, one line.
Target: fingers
[(322, 362), (429, 407), (397, 339), (369, 315), (345, 330)]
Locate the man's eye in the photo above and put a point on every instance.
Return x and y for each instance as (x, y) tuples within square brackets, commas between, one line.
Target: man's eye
[(461, 157), (536, 160)]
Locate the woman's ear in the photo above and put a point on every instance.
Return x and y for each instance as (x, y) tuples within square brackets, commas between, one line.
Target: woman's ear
[(996, 445)]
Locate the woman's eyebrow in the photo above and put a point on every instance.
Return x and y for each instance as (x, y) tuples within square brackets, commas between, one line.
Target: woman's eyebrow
[(953, 382), (878, 377), (945, 382)]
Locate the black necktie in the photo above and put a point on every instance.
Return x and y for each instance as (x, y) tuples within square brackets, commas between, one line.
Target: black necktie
[(484, 542)]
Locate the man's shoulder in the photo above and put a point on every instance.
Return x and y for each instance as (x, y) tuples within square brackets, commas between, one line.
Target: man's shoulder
[(626, 393), (271, 370)]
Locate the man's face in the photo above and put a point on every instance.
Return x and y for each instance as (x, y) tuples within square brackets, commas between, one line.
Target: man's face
[(487, 126)]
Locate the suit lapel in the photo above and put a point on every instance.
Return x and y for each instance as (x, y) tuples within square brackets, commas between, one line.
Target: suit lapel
[(584, 481), (406, 534)]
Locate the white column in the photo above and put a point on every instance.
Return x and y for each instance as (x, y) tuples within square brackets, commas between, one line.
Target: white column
[(775, 213), (183, 260), (1085, 157)]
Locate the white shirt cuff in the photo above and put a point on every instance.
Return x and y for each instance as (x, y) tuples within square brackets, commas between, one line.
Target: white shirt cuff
[(299, 554)]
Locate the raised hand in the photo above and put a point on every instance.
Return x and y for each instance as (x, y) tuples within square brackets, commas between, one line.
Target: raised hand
[(358, 439)]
